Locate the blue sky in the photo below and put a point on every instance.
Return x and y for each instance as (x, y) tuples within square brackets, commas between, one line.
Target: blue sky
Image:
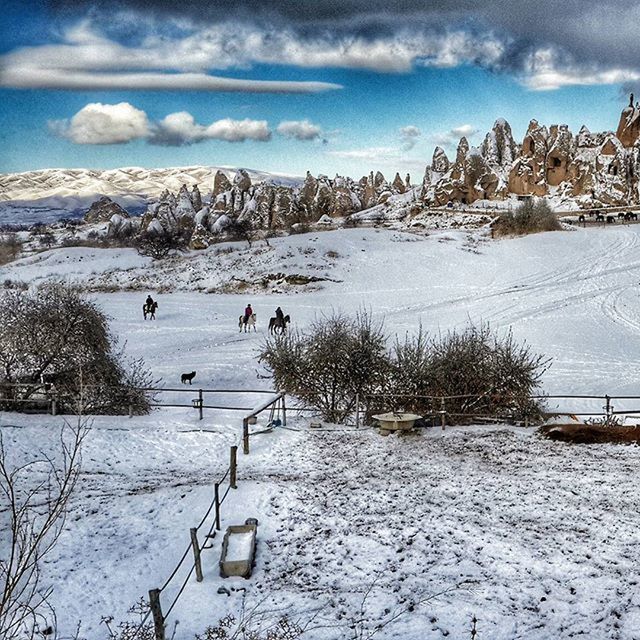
[(366, 86)]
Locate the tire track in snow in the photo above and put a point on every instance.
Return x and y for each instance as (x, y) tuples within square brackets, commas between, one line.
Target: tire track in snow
[(590, 284)]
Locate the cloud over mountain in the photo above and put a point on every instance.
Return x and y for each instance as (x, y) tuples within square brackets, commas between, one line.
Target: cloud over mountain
[(98, 123), (121, 123)]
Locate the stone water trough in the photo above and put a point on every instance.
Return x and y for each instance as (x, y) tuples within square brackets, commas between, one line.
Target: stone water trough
[(239, 549), (396, 421)]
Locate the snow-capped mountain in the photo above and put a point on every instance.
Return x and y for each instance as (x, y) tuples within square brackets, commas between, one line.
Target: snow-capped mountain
[(134, 181), (51, 194)]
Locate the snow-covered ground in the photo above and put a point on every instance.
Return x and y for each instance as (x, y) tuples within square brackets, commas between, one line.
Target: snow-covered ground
[(537, 539)]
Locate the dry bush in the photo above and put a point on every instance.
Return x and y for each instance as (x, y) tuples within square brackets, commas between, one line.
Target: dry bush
[(10, 248), (326, 367), (477, 370), (591, 433), (56, 343), (530, 217)]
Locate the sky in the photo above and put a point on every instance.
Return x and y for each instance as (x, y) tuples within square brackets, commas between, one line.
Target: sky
[(287, 86)]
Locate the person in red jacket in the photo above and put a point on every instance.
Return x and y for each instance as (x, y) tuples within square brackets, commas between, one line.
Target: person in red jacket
[(247, 313)]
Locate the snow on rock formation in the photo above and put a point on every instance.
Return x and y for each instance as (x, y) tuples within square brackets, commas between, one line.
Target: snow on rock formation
[(589, 169), (103, 210)]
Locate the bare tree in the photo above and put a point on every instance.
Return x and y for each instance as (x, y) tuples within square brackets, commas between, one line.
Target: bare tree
[(160, 245), (54, 337), (34, 498), (10, 247), (325, 368), (242, 230)]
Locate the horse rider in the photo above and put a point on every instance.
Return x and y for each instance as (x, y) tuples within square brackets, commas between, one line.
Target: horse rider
[(280, 316), (248, 312), (149, 302)]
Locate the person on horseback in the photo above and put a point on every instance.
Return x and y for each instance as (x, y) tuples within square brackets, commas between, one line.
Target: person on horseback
[(147, 307), (280, 316), (247, 313)]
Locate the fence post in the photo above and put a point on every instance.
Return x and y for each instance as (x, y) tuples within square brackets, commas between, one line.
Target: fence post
[(196, 553), (131, 411), (156, 612), (200, 402), (357, 410), (245, 436), (233, 465), (284, 412), (607, 408), (216, 492), (443, 414), (54, 407)]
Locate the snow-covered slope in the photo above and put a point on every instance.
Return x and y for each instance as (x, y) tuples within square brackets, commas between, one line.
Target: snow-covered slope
[(537, 539)]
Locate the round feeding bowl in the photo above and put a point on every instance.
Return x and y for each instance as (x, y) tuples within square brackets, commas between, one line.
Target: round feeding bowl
[(396, 421)]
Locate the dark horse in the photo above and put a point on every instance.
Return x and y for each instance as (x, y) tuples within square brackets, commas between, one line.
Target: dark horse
[(276, 325), (149, 310)]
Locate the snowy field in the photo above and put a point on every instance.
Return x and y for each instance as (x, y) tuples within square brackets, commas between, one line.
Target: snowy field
[(539, 540)]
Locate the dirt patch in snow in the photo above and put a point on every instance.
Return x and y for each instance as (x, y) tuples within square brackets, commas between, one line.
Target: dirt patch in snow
[(591, 434)]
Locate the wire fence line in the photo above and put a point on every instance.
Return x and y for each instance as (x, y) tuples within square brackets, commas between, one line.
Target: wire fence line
[(277, 408)]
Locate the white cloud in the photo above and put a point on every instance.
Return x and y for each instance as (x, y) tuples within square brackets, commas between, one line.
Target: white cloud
[(577, 52), (383, 157), (451, 138), (465, 130), (47, 78), (120, 123), (86, 59), (299, 129), (545, 71), (238, 130), (383, 154), (98, 123), (409, 136)]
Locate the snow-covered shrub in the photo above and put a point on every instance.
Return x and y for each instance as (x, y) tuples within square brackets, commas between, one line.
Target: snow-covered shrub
[(326, 367), (54, 343), (478, 371), (530, 217)]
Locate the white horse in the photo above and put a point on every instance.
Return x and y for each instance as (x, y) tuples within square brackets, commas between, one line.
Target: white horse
[(251, 322)]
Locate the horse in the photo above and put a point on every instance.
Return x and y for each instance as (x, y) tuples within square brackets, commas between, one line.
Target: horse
[(150, 310), (276, 324), (251, 322), (611, 220), (599, 217)]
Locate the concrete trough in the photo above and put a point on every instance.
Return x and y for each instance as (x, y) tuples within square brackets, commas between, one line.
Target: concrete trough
[(239, 549)]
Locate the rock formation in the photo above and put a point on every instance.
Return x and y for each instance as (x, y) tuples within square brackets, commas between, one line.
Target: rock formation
[(590, 168), (265, 205), (103, 210)]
